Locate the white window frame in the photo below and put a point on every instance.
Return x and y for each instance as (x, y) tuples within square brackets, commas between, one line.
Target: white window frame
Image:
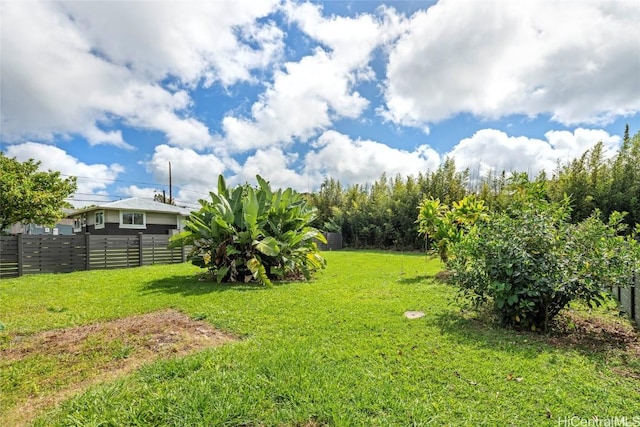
[(180, 221), (136, 226), (98, 224), (77, 223)]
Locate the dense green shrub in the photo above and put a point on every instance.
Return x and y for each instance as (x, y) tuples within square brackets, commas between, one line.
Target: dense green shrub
[(529, 261), (253, 233)]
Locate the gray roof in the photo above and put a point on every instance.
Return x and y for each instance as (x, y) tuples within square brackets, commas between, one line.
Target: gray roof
[(137, 204)]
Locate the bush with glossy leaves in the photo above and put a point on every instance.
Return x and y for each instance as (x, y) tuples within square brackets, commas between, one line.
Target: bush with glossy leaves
[(529, 261)]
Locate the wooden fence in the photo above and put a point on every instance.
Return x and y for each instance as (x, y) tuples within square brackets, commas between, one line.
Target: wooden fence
[(27, 254), (334, 242)]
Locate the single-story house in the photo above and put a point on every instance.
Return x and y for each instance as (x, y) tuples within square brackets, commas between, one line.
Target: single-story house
[(129, 216)]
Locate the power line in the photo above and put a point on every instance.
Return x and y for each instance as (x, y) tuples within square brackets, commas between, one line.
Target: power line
[(100, 195), (116, 198), (192, 191), (112, 180), (153, 184), (90, 200)]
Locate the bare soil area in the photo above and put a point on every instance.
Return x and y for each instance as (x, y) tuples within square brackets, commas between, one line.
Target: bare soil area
[(596, 334), (88, 355)]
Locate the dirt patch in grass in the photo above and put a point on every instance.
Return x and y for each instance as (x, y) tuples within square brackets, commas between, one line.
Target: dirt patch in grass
[(613, 338), (595, 333), (444, 276), (87, 355)]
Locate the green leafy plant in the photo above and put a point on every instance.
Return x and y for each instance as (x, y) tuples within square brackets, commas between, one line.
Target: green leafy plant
[(443, 226), (529, 262), (252, 233)]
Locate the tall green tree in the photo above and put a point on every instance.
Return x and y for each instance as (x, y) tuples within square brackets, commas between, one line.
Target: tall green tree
[(624, 194), (382, 214), (29, 195), (327, 200), (587, 182), (594, 181)]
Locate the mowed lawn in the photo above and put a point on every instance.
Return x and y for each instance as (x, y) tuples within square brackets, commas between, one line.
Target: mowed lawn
[(333, 351)]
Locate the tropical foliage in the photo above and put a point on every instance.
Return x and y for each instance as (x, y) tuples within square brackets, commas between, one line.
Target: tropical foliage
[(251, 233), (382, 214), (28, 195), (528, 261), (443, 226)]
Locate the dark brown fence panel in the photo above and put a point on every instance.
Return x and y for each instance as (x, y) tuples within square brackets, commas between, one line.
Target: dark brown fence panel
[(334, 242), (629, 298), (155, 250), (625, 299), (52, 254), (636, 299), (30, 254), (8, 256), (107, 252)]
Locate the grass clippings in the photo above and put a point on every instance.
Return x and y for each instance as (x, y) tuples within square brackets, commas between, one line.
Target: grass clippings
[(87, 355)]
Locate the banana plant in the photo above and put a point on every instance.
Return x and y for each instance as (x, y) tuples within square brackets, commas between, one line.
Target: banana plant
[(253, 233)]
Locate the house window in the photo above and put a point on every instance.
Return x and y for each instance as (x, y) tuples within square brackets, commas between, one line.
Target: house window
[(77, 223), (132, 219), (99, 219)]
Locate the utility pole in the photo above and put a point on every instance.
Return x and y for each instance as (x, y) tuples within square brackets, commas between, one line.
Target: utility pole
[(170, 189)]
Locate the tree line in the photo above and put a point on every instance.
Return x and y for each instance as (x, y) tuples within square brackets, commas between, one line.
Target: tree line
[(383, 214)]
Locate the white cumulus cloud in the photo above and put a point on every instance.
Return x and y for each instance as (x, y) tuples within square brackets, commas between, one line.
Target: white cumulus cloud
[(494, 150), (575, 61), (191, 40), (275, 166), (361, 161), (308, 95), (193, 174), (85, 68), (93, 179)]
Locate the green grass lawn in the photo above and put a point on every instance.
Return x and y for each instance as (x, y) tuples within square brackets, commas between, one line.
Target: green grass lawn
[(333, 351)]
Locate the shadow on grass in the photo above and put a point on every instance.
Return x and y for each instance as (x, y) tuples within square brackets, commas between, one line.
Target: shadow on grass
[(194, 285), (423, 278), (597, 343), (483, 333), (438, 278)]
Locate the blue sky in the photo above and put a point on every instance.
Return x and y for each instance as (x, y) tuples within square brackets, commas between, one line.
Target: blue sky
[(297, 92)]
